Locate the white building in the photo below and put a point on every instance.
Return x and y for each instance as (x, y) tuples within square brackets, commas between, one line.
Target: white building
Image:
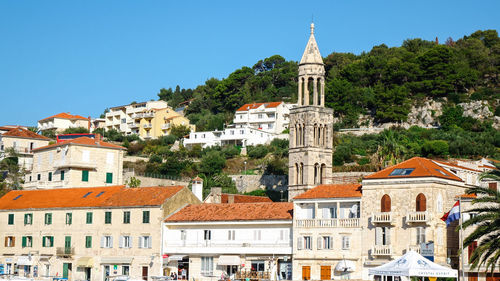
[(271, 117), (22, 141), (241, 136), (208, 241), (63, 121), (122, 118)]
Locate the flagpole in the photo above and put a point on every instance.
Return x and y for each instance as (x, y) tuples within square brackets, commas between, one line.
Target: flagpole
[(461, 236)]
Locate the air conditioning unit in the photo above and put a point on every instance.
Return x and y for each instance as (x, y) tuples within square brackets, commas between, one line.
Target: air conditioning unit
[(245, 244)]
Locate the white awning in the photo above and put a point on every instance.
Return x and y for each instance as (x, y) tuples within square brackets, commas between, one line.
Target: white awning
[(345, 266), (24, 260), (176, 257), (229, 260), (116, 260), (85, 262)]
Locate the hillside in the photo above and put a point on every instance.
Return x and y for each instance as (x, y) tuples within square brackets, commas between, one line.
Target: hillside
[(384, 85)]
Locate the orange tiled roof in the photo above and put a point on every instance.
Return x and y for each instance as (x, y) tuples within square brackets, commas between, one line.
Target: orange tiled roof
[(23, 133), (472, 196), (82, 141), (249, 106), (111, 196), (238, 198), (332, 191), (64, 115), (233, 212), (423, 167)]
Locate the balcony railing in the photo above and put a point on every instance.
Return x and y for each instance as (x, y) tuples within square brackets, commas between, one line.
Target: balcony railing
[(165, 126), (347, 223), (414, 248), (208, 243), (65, 251), (382, 250), (147, 126), (384, 217), (133, 125), (415, 217)]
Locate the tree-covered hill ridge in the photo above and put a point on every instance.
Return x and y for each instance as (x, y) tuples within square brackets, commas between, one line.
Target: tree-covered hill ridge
[(413, 84)]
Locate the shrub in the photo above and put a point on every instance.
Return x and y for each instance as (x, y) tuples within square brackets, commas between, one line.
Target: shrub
[(212, 163), (277, 166), (230, 151), (259, 151), (436, 148), (155, 159)]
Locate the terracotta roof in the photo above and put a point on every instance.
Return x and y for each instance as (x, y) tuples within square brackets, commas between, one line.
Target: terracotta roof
[(473, 196), (23, 133), (457, 166), (249, 106), (233, 212), (422, 167), (106, 196), (332, 191), (82, 141), (197, 179), (64, 115), (238, 198)]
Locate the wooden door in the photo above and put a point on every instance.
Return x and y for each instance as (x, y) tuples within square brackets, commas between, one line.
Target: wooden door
[(326, 272), (472, 276), (492, 277), (306, 273), (144, 273)]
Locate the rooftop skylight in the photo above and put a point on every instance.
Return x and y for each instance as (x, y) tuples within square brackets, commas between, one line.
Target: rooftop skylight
[(17, 197), (100, 193), (401, 172), (87, 194), (443, 173)]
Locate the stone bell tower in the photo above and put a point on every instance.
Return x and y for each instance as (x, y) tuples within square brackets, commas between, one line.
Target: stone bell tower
[(311, 126)]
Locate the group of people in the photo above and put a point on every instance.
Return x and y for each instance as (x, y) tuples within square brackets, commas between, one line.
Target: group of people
[(181, 275)]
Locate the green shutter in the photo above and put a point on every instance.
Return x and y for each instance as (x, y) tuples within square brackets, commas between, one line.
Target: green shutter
[(89, 217), (50, 176), (62, 175), (26, 220), (88, 241), (85, 175), (107, 218), (44, 244), (11, 219), (145, 217), (51, 241), (69, 218), (48, 218), (109, 177), (24, 242)]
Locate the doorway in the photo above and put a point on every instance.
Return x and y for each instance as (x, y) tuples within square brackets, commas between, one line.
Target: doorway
[(326, 272), (87, 271), (67, 270), (306, 273), (105, 273), (145, 273)]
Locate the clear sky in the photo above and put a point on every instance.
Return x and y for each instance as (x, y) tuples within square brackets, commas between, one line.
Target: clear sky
[(84, 56)]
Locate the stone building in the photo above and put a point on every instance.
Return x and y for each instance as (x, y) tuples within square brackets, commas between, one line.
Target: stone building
[(311, 125), (63, 121), (87, 233)]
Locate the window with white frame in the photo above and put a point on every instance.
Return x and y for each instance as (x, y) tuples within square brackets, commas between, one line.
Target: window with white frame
[(420, 235), (257, 234), (330, 212), (183, 234), (125, 241), (207, 235), (304, 243), (270, 125), (207, 266), (231, 235), (107, 241), (260, 116), (145, 242), (325, 243), (382, 236), (346, 244), (283, 234)]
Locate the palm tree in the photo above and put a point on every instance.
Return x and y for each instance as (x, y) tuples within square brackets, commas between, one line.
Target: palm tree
[(486, 227), (493, 174)]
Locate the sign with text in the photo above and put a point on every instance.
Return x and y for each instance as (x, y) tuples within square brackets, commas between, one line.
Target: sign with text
[(427, 250)]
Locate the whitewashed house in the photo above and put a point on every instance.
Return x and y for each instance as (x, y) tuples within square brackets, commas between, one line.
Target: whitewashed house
[(207, 241), (271, 117)]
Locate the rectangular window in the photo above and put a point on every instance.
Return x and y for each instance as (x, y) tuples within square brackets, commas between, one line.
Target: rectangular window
[(126, 217), (307, 242), (11, 219), (109, 177), (183, 235), (257, 235), (48, 218), (62, 175), (345, 243), (50, 176), (48, 241), (10, 241), (258, 266), (69, 218), (145, 242), (27, 241), (28, 219), (38, 176), (88, 242), (145, 216), (85, 175), (89, 217), (231, 235), (382, 236), (125, 270), (207, 265), (420, 235), (107, 217), (326, 242), (107, 241), (125, 241), (207, 235)]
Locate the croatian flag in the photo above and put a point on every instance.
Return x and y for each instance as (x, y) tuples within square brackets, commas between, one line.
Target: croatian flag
[(453, 214)]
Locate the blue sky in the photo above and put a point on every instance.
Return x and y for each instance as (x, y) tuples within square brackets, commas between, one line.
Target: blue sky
[(84, 56)]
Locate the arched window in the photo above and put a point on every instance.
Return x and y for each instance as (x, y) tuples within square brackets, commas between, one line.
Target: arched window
[(421, 203), (299, 134), (301, 173), (385, 203), (303, 134), (324, 136), (320, 134), (297, 173), (323, 173), (315, 132), (316, 173)]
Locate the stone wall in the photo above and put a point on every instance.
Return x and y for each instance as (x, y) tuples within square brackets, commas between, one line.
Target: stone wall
[(247, 183), (147, 181), (348, 177)]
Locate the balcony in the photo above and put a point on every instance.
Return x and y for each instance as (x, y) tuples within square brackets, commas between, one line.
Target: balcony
[(165, 126), (65, 251), (417, 217), (148, 115), (133, 125), (74, 164), (320, 223), (137, 116), (415, 248), (147, 126), (384, 217), (382, 250), (46, 184)]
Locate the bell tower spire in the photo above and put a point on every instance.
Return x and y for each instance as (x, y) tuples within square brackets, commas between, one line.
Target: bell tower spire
[(311, 75)]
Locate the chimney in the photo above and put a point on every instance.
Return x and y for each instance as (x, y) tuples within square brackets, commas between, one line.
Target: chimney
[(197, 188), (98, 139)]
